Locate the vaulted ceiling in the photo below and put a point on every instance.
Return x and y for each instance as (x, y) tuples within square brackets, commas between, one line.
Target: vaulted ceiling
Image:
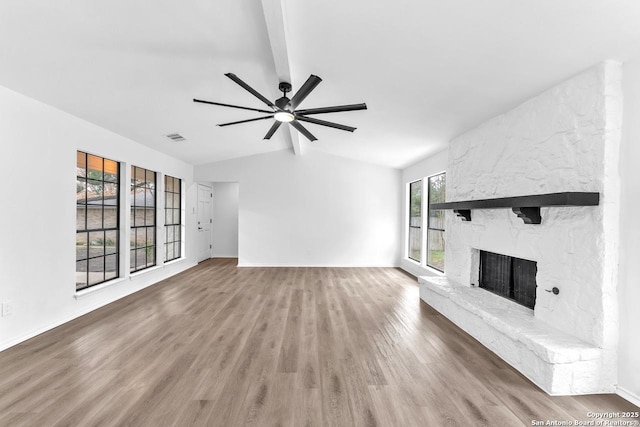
[(428, 70)]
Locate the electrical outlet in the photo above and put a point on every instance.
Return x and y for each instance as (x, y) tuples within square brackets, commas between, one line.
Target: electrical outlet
[(7, 309)]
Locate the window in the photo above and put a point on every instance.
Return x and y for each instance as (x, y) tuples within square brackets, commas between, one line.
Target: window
[(415, 220), (97, 220), (143, 218), (172, 214), (435, 223)]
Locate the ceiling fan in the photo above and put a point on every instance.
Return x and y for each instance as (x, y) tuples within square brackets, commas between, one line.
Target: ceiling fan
[(284, 109)]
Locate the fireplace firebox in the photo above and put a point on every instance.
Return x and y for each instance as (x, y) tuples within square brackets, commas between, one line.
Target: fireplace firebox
[(509, 277)]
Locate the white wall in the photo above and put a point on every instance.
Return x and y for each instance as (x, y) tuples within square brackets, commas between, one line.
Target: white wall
[(629, 273), (37, 253), (432, 165), (313, 210), (225, 219)]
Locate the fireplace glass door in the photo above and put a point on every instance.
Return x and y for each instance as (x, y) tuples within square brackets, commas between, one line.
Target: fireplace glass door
[(509, 277)]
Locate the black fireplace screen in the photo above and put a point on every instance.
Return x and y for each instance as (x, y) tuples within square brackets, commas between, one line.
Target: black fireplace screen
[(509, 277)]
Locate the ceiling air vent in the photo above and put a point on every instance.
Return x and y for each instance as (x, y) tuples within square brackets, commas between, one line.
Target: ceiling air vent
[(176, 137)]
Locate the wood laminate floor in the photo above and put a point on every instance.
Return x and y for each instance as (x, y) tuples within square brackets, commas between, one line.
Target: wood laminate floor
[(222, 346)]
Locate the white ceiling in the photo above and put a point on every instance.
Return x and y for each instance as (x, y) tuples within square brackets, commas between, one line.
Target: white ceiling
[(428, 70)]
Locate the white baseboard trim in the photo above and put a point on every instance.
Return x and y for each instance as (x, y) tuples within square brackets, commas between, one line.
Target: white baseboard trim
[(59, 322), (627, 395)]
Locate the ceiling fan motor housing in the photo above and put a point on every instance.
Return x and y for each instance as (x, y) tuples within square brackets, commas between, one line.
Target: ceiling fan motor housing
[(282, 103), (284, 87)]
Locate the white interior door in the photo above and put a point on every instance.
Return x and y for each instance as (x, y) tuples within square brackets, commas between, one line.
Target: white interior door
[(205, 219)]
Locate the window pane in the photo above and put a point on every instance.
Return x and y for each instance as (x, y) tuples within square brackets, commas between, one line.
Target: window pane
[(169, 255), (436, 195), (435, 256), (141, 258), (150, 197), (110, 217), (81, 191), (110, 193), (415, 243), (151, 179), (436, 218), (132, 239), (96, 270), (140, 175), (132, 260), (169, 235), (151, 237), (80, 217), (111, 264), (176, 201), (110, 170), (139, 217), (150, 215), (141, 237), (437, 189), (94, 167), (94, 191), (151, 257), (81, 274), (176, 250), (82, 249), (94, 217), (81, 164), (137, 196), (415, 207), (176, 216), (96, 244), (110, 242)]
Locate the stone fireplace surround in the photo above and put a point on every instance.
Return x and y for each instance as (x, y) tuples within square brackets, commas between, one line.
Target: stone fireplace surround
[(565, 139)]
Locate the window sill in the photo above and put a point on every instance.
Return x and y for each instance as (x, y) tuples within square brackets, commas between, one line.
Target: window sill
[(97, 288)]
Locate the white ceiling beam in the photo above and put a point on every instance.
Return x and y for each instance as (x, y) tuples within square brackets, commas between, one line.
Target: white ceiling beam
[(274, 17)]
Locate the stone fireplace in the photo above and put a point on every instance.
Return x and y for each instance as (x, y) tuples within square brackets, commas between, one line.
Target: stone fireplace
[(563, 140)]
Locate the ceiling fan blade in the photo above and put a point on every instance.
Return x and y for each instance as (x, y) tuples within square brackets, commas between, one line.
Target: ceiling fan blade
[(304, 91), (245, 121), (325, 123), (336, 109), (249, 89), (272, 130), (232, 106), (303, 130)]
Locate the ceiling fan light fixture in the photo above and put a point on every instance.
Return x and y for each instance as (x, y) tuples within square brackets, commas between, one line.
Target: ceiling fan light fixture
[(284, 116)]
